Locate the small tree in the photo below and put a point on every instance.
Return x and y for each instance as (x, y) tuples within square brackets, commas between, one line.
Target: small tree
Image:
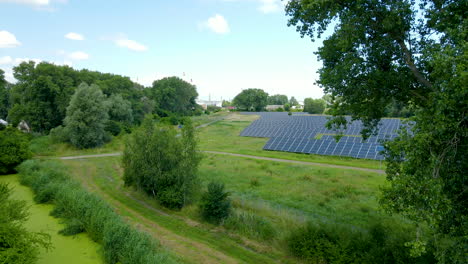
[(17, 245), (86, 117), (14, 148), (215, 205), (162, 163)]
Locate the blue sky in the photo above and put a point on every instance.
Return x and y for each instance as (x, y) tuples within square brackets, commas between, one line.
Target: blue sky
[(222, 46)]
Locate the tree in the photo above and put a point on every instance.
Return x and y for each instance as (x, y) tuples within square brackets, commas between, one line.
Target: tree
[(215, 205), (277, 99), (17, 244), (162, 163), (413, 53), (120, 110), (86, 117), (174, 95), (14, 149), (226, 103), (4, 96), (251, 99), (314, 106), (293, 101)]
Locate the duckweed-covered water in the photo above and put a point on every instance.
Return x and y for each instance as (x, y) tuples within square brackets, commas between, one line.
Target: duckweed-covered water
[(78, 249)]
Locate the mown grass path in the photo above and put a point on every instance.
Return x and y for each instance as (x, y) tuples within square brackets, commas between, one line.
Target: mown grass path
[(240, 155)]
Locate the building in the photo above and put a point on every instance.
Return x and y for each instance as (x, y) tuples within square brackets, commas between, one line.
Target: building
[(205, 103)]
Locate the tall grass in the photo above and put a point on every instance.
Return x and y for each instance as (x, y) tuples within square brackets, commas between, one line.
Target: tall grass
[(85, 212)]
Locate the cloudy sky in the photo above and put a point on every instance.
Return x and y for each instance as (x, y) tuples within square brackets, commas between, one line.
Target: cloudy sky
[(222, 46)]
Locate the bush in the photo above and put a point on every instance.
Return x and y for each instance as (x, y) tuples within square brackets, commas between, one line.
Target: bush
[(162, 163), (14, 148), (113, 127), (85, 212), (17, 245), (215, 205), (332, 243)]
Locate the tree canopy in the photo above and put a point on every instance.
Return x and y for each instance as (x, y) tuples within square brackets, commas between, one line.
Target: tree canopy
[(174, 95), (412, 53), (314, 106), (251, 100), (14, 148), (293, 101), (278, 99), (4, 96), (86, 117)]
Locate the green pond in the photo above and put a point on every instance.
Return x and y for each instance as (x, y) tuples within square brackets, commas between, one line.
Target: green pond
[(79, 249)]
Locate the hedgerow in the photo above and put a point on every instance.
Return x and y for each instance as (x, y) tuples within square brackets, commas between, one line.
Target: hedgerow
[(85, 212)]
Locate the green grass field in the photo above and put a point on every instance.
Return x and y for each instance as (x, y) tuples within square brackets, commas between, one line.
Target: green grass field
[(270, 199)]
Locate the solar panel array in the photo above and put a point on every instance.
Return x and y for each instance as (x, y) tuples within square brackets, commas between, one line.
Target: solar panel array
[(307, 134)]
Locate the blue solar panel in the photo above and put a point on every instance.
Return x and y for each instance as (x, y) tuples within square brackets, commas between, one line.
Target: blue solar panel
[(297, 133)]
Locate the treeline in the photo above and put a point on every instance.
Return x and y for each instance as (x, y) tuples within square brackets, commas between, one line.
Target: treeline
[(42, 95), (257, 100), (85, 212)]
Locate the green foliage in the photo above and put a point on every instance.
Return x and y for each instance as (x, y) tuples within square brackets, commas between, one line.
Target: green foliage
[(331, 243), (174, 95), (287, 107), (43, 92), (85, 212), (14, 148), (251, 225), (17, 245), (87, 117), (162, 163), (314, 106), (4, 96), (278, 99), (414, 54), (226, 103), (112, 127), (120, 110), (251, 100), (293, 101), (215, 205)]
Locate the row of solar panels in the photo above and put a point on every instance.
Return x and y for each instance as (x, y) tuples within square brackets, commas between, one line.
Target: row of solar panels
[(300, 133), (325, 147)]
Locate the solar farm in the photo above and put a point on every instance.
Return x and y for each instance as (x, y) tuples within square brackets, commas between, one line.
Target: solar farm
[(302, 133)]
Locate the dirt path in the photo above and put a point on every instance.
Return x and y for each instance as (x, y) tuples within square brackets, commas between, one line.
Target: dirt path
[(244, 156)]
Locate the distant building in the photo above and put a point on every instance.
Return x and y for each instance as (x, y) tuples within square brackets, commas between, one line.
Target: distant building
[(273, 107), (205, 103)]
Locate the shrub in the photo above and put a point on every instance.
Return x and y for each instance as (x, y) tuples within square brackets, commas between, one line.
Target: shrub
[(113, 127), (17, 245), (332, 243), (215, 205), (14, 148), (85, 212), (162, 163)]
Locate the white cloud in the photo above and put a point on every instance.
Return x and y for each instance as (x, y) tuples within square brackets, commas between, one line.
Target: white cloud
[(8, 40), (270, 6), (6, 60), (130, 44), (28, 2), (217, 24), (74, 36), (78, 55)]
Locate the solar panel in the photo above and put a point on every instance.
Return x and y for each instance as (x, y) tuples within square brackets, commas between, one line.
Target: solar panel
[(298, 133)]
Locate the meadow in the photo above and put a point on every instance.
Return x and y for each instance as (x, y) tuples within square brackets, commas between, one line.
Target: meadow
[(271, 200)]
